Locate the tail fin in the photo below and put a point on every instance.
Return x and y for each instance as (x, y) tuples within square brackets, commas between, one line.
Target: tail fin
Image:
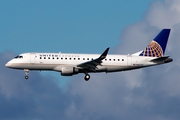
[(157, 47)]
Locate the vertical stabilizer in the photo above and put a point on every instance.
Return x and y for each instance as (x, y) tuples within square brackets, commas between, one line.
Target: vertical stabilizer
[(157, 47)]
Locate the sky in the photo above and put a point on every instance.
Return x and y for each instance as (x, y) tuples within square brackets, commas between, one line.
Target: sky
[(44, 26), (89, 27)]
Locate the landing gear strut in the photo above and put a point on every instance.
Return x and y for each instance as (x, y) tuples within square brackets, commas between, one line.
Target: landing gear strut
[(27, 73), (87, 77)]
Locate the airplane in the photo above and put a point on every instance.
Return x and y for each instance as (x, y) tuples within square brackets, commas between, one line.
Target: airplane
[(69, 64)]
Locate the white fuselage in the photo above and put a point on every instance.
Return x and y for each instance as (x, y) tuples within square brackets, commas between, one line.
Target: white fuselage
[(55, 62), (71, 64)]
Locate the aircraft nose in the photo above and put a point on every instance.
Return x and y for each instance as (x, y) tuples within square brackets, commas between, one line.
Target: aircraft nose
[(8, 64)]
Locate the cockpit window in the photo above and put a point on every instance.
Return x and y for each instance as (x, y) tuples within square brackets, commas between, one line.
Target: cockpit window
[(19, 57)]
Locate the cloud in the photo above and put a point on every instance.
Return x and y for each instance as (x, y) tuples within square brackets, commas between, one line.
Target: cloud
[(37, 98), (150, 93), (164, 14)]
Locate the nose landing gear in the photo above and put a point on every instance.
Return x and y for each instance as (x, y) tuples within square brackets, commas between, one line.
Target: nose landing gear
[(27, 73)]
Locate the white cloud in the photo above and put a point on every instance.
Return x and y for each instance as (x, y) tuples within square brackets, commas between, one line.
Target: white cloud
[(37, 98), (164, 14), (141, 94)]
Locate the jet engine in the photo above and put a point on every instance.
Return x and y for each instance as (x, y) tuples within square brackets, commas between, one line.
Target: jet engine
[(69, 71)]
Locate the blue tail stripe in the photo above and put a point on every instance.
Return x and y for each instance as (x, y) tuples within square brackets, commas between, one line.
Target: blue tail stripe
[(162, 38)]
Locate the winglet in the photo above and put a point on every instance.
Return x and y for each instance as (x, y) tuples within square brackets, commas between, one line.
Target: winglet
[(104, 54), (93, 63)]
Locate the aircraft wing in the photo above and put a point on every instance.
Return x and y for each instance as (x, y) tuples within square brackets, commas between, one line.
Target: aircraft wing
[(93, 63)]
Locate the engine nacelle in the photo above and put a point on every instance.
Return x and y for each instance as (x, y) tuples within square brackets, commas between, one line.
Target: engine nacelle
[(69, 71)]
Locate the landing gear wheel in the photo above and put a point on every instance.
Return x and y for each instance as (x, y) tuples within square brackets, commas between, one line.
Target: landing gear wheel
[(87, 77), (26, 77), (27, 73)]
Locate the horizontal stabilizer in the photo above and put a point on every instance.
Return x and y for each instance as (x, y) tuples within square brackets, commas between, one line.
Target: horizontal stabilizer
[(159, 59)]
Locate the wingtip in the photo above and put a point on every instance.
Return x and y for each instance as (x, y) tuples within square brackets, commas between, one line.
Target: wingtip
[(106, 51)]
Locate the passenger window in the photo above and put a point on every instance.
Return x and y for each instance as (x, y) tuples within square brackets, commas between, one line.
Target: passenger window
[(78, 58), (109, 59), (114, 59), (61, 58), (122, 59)]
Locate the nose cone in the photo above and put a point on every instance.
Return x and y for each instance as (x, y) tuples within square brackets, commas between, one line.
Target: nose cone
[(8, 64)]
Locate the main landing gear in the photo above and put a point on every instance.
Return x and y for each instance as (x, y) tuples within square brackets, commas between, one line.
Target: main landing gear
[(27, 73), (87, 77)]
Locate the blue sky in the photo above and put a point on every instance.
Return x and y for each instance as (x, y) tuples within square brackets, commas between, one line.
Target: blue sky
[(89, 27), (66, 26)]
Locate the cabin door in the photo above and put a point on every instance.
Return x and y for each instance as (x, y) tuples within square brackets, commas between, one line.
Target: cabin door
[(32, 58), (129, 60)]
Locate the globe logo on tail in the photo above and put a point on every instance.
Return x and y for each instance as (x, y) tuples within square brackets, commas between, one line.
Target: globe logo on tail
[(152, 50)]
